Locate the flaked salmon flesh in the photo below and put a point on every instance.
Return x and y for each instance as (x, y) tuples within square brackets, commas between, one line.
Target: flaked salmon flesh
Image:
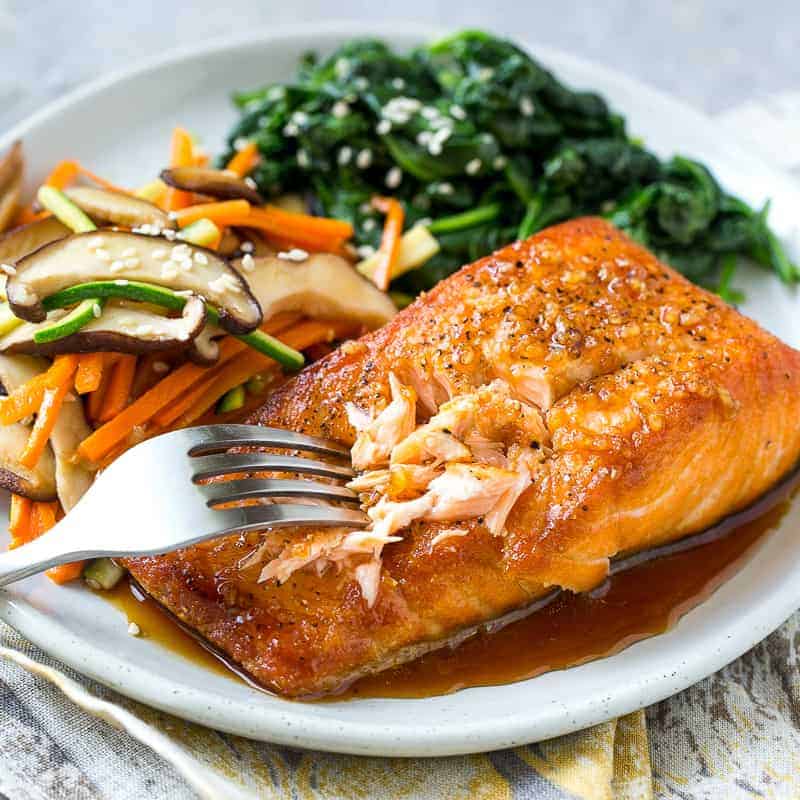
[(565, 400)]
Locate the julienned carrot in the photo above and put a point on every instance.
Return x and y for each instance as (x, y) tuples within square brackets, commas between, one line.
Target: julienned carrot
[(63, 174), (305, 223), (94, 403), (278, 233), (90, 373), (66, 572), (218, 213), (390, 240), (46, 418), (181, 155), (44, 517), (26, 399), (245, 160), (100, 181), (19, 520), (117, 430), (26, 215), (118, 391)]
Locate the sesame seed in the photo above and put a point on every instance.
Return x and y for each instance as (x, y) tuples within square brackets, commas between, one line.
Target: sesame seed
[(457, 112), (473, 167), (394, 177), (169, 234), (250, 182), (132, 263), (201, 258), (96, 310), (341, 67), (290, 129), (159, 254), (173, 215), (240, 143), (361, 83), (445, 188), (8, 269), (169, 270), (340, 109), (160, 367), (485, 74), (295, 254), (121, 282), (399, 84), (424, 138), (500, 162), (248, 263), (247, 247), (299, 118), (526, 107), (344, 155), (102, 254), (134, 629), (276, 93), (128, 252), (364, 158), (95, 241), (383, 127), (365, 251), (303, 159), (369, 224), (117, 266)]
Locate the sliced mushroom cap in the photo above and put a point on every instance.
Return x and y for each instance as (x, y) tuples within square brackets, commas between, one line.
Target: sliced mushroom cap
[(321, 286), (116, 255), (116, 208), (22, 241), (204, 349), (38, 483), (214, 182), (119, 329), (11, 170), (72, 479)]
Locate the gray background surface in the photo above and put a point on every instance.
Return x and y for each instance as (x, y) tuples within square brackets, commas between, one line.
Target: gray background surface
[(714, 54)]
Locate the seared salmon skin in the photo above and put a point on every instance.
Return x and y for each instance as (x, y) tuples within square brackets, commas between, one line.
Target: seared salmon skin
[(565, 400)]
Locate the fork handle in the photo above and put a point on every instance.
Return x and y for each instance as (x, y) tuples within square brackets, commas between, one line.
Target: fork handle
[(49, 550)]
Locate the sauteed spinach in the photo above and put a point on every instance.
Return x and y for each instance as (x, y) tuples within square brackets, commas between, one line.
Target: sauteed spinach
[(482, 142)]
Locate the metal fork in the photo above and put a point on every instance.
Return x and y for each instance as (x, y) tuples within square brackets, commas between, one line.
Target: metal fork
[(152, 500)]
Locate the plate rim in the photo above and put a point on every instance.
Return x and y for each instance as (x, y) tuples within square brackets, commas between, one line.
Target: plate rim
[(292, 723)]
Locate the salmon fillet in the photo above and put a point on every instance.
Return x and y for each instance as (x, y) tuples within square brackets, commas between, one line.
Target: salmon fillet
[(643, 408)]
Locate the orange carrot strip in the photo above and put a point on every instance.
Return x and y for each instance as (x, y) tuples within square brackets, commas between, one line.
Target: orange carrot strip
[(46, 419), (94, 402), (119, 388), (101, 181), (26, 399), (63, 175), (26, 215), (245, 160), (201, 159), (116, 430), (90, 373), (390, 240), (19, 520), (66, 572), (277, 233), (305, 223), (181, 155), (218, 213)]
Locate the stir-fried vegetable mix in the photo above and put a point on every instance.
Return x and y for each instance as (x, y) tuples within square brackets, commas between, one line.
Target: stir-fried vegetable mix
[(474, 136)]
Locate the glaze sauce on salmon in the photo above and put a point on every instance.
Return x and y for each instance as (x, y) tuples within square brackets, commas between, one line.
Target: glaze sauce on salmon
[(616, 407)]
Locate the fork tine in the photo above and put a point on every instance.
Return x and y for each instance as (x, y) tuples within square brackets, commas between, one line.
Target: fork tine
[(233, 463), (218, 438), (231, 491), (245, 518)]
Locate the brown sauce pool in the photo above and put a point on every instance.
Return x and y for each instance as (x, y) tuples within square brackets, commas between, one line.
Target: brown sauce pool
[(643, 600)]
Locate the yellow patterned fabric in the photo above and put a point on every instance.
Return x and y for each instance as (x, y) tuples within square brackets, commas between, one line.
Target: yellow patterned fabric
[(735, 736)]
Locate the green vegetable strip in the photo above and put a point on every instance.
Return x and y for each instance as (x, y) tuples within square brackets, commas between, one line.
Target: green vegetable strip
[(74, 218), (471, 126), (158, 295), (468, 219), (81, 315)]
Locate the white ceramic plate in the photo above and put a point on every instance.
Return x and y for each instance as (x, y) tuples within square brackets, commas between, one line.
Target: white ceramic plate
[(120, 126)]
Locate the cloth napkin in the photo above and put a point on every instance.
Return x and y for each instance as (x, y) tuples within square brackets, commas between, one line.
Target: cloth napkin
[(735, 735)]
